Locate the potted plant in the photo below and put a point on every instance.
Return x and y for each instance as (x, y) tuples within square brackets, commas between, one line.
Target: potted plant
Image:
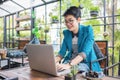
[(36, 32), (26, 26), (47, 28), (72, 74), (105, 34), (55, 19), (94, 11)]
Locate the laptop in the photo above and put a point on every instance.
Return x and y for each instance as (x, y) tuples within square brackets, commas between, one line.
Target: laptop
[(41, 58)]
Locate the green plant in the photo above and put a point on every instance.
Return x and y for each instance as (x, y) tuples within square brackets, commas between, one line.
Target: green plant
[(26, 26), (36, 32), (72, 74), (47, 28), (94, 8), (42, 34), (74, 71), (54, 17), (118, 12), (117, 45), (24, 13)]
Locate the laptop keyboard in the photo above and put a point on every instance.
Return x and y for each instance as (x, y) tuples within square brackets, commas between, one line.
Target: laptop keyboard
[(63, 72), (60, 70)]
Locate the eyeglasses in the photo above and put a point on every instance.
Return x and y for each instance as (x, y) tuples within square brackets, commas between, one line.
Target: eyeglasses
[(69, 21)]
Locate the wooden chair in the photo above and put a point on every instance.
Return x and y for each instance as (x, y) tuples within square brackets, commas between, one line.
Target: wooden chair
[(103, 45)]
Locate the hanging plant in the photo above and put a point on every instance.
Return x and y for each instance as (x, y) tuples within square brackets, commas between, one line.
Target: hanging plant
[(55, 19), (94, 11), (105, 34)]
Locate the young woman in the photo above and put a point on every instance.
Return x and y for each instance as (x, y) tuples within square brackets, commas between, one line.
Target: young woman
[(77, 47)]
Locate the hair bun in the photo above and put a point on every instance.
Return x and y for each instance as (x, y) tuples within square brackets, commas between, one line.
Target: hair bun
[(80, 6)]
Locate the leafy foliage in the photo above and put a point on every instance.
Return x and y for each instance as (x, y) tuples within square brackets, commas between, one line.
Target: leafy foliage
[(1, 30), (118, 12), (35, 31), (94, 8), (117, 39), (74, 71)]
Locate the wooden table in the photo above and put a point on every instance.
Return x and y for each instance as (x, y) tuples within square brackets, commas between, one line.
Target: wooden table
[(25, 73)]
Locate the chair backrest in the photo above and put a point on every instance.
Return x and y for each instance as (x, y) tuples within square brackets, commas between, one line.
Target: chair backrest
[(98, 52), (103, 45)]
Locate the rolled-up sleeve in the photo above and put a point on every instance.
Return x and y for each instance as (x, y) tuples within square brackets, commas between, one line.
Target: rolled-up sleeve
[(82, 54)]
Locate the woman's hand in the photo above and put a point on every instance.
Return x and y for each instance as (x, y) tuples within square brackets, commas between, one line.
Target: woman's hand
[(63, 66), (57, 58)]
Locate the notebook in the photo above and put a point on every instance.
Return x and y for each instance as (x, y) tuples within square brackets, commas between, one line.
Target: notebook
[(41, 58)]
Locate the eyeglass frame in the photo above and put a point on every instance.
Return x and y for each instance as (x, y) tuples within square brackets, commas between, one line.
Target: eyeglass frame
[(69, 21)]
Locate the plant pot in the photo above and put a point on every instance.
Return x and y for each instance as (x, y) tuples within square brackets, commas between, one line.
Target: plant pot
[(55, 21), (105, 34), (46, 31), (70, 77), (94, 13)]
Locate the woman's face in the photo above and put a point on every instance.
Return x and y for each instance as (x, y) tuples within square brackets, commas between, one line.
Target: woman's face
[(71, 22)]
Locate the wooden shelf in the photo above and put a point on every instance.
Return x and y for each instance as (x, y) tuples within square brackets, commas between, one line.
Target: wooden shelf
[(10, 42), (23, 39), (24, 18), (22, 29)]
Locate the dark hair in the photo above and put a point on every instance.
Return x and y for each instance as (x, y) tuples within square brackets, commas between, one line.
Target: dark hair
[(73, 10)]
